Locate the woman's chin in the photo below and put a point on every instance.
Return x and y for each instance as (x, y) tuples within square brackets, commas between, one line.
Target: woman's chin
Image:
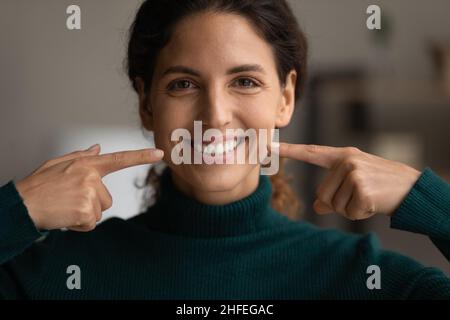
[(215, 178)]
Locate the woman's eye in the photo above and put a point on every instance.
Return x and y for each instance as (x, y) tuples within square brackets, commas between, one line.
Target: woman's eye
[(246, 83), (181, 85)]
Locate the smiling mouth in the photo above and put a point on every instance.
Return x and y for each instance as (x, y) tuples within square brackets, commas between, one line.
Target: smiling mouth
[(213, 148)]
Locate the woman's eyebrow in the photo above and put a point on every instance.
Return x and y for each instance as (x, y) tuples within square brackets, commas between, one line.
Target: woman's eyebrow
[(238, 69), (246, 67), (181, 69)]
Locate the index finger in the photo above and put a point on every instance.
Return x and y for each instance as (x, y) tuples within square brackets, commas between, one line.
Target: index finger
[(322, 156), (111, 162)]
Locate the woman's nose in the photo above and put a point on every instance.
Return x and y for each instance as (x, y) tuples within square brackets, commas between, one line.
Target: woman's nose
[(216, 109)]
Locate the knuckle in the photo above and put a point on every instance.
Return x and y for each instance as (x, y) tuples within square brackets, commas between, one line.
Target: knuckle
[(71, 167), (79, 162), (79, 153), (117, 157), (75, 165), (350, 162), (91, 175), (88, 177), (109, 203), (356, 178), (371, 209), (90, 194), (365, 201), (312, 148), (105, 206), (88, 227), (92, 223), (362, 194), (353, 213), (75, 154), (86, 218), (85, 213), (352, 150), (365, 198), (368, 203)]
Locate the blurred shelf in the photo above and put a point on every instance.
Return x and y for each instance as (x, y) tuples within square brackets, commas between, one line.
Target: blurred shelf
[(389, 91)]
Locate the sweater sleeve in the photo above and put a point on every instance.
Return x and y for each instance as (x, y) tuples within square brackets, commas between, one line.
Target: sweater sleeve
[(17, 233), (426, 210), (17, 230)]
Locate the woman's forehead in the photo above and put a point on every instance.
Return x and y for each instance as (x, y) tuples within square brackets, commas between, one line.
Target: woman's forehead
[(222, 41)]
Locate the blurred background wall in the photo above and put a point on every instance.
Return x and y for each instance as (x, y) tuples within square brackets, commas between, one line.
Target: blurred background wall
[(382, 91)]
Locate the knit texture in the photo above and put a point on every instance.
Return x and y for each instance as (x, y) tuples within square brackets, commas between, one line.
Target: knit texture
[(183, 249)]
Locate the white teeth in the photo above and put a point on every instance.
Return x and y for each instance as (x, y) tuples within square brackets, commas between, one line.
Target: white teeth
[(217, 148)]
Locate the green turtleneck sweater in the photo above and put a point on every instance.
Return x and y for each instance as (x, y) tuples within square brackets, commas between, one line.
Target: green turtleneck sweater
[(183, 249)]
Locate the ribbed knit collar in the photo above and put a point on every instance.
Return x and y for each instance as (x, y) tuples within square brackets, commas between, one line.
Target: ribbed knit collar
[(177, 213)]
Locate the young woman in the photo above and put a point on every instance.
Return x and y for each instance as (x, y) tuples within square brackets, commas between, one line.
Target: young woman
[(217, 231)]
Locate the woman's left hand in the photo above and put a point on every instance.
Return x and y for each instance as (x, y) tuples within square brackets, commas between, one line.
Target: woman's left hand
[(358, 184)]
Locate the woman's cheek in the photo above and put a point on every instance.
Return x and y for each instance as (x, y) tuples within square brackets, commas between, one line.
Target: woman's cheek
[(261, 114), (258, 114), (162, 129)]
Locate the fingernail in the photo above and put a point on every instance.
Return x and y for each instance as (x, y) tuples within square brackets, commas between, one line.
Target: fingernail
[(158, 153), (93, 147)]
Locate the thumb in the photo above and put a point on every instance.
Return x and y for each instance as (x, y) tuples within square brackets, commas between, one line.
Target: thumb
[(322, 208), (91, 151)]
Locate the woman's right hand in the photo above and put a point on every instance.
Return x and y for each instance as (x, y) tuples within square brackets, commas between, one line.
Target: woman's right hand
[(68, 192)]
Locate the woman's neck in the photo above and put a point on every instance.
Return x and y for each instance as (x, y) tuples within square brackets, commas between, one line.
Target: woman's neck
[(244, 188)]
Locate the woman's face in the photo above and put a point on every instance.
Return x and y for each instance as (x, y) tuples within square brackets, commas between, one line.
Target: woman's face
[(216, 69)]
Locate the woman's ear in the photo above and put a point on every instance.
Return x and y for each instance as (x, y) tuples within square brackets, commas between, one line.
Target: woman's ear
[(145, 110), (287, 103)]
